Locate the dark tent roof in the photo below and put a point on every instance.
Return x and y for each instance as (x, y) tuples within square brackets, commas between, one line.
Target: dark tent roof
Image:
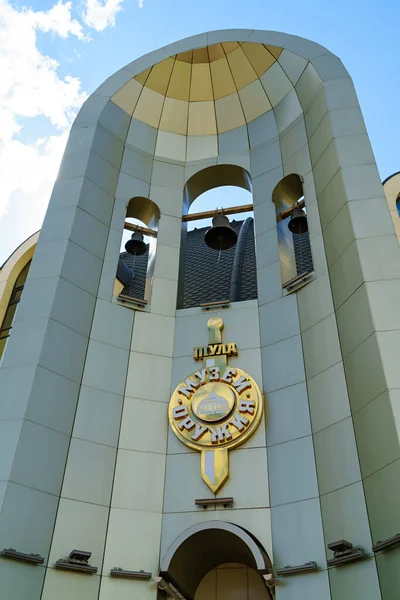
[(209, 275)]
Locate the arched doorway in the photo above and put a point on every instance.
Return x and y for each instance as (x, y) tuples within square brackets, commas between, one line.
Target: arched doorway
[(213, 558)]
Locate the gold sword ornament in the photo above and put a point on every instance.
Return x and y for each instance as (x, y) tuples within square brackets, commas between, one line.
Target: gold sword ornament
[(216, 408)]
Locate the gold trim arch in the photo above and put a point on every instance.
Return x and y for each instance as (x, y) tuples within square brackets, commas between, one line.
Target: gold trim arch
[(391, 187), (12, 268)]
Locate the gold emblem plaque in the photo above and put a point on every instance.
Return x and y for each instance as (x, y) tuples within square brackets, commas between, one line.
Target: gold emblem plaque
[(216, 408)]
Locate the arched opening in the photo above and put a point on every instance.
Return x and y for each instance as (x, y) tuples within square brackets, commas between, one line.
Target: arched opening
[(135, 270), (220, 275), (13, 274), (205, 547), (294, 248), (13, 302), (213, 177), (398, 204)]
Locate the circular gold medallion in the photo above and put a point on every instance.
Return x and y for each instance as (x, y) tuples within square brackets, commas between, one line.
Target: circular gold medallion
[(214, 408)]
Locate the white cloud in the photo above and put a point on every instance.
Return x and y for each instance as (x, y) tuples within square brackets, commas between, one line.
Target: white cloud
[(25, 167), (101, 13), (29, 83), (140, 2), (58, 20), (29, 87)]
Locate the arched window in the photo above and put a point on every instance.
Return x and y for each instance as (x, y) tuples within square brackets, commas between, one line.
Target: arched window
[(398, 204), (209, 275), (294, 247), (12, 307), (135, 271)]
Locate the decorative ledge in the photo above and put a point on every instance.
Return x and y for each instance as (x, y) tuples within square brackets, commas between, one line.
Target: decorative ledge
[(297, 281), (33, 559), (215, 304), (77, 561), (118, 572), (306, 568), (205, 502), (388, 544), (130, 300), (344, 553)]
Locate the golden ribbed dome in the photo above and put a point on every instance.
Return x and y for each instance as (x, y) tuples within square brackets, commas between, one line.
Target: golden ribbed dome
[(204, 91)]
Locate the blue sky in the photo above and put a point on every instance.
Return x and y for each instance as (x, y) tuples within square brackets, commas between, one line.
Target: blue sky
[(90, 39)]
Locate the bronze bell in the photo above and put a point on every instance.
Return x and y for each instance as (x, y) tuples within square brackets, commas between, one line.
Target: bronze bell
[(298, 221), (220, 236), (136, 245)]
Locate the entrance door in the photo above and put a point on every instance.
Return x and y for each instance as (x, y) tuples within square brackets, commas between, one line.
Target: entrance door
[(232, 581)]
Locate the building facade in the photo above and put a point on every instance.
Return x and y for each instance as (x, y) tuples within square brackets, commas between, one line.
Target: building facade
[(218, 447)]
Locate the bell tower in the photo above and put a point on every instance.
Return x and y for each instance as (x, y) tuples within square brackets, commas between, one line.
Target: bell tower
[(158, 439)]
